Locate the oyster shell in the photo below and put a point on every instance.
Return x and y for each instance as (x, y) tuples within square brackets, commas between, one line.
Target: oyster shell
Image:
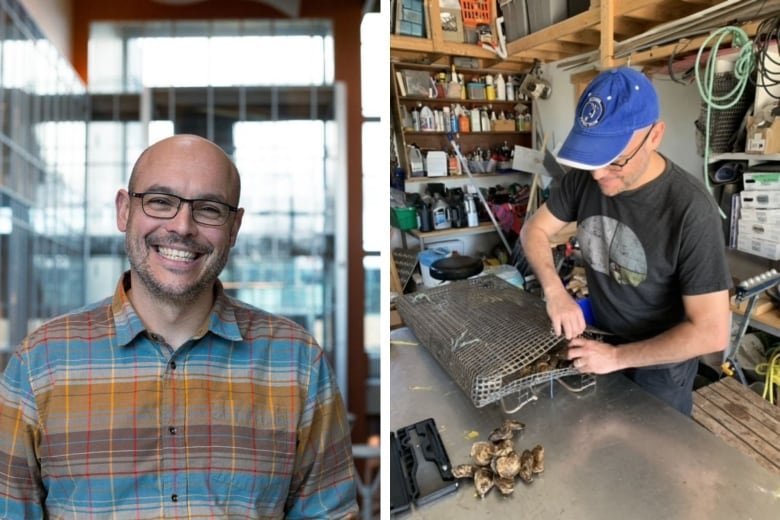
[(463, 471), (483, 481), (482, 452), (538, 458), (504, 448), (506, 466), (501, 434), (514, 425), (505, 485), (526, 466)]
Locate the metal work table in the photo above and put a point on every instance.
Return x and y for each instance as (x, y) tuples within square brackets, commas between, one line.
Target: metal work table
[(611, 452)]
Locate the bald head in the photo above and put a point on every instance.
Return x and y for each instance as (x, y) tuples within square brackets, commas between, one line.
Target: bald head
[(190, 155)]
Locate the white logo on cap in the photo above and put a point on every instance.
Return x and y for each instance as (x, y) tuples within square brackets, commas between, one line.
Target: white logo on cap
[(591, 112)]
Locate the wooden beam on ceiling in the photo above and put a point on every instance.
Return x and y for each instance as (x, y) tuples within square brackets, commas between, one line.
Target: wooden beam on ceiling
[(575, 24), (586, 38), (625, 26)]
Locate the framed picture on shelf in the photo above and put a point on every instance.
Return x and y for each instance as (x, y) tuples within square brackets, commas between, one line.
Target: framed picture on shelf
[(418, 83)]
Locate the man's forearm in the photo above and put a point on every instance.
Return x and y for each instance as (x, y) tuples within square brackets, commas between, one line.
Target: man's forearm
[(680, 343), (536, 246)]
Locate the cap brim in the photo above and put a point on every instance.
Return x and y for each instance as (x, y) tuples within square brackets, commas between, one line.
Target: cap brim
[(590, 152)]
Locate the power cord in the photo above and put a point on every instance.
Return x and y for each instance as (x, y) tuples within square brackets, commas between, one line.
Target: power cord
[(766, 49), (705, 79)]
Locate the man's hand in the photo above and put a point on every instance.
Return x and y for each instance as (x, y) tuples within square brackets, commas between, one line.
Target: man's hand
[(593, 357), (565, 314)]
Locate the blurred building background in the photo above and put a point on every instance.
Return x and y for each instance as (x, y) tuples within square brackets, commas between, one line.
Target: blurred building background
[(86, 85)]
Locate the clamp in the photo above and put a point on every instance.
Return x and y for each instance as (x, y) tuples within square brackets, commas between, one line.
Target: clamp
[(750, 289)]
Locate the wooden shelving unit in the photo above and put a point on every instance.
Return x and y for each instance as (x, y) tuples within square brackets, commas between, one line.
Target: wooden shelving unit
[(608, 29)]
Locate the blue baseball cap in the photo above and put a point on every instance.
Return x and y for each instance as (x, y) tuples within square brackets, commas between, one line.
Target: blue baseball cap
[(617, 103)]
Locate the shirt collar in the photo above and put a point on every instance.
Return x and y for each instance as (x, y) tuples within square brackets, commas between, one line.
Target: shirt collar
[(221, 320)]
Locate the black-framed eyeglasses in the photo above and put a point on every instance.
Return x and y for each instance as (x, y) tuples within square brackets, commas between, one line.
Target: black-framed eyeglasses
[(167, 206), (623, 162)]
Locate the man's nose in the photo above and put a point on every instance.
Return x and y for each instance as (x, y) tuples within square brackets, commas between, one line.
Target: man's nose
[(183, 223)]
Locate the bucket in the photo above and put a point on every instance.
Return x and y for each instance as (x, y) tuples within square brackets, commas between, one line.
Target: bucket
[(426, 258)]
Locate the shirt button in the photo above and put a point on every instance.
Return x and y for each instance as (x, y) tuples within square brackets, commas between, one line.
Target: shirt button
[(173, 365), (172, 429), (174, 497)]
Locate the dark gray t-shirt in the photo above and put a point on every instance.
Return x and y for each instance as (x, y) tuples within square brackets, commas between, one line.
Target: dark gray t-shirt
[(644, 249)]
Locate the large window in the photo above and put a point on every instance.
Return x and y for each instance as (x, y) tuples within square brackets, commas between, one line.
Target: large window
[(262, 90), (43, 112)]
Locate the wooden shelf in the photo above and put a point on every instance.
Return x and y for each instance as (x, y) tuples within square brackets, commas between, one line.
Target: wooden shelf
[(484, 227), (741, 156), (465, 134), (465, 178), (615, 32), (499, 103)]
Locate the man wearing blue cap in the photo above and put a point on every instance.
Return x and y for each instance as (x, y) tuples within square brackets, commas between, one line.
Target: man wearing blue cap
[(651, 242)]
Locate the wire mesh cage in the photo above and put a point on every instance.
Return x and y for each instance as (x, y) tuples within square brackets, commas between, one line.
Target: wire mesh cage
[(724, 123), (493, 339)]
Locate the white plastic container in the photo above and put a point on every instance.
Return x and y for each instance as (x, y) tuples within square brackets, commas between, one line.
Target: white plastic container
[(426, 258), (500, 88)]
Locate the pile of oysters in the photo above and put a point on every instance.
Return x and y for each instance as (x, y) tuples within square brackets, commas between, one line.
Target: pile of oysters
[(496, 463)]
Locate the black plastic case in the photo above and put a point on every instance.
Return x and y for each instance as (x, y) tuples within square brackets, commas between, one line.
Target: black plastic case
[(420, 469)]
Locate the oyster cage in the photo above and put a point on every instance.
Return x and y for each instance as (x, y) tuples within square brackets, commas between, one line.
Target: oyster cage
[(492, 338)]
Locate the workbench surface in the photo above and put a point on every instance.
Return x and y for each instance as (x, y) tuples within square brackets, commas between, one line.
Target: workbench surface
[(611, 452)]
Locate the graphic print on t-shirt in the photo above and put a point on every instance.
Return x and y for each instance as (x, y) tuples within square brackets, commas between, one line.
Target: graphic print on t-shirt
[(612, 248)]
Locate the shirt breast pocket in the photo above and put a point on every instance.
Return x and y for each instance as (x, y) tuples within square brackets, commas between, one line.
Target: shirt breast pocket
[(250, 454)]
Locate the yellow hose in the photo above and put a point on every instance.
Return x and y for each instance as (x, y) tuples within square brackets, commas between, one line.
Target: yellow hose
[(771, 373)]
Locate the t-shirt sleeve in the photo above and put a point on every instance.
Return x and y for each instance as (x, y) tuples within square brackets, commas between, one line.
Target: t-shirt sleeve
[(702, 266), (564, 198)]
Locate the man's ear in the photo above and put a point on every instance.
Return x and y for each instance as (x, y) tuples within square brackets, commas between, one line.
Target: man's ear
[(236, 226), (122, 202), (658, 134)]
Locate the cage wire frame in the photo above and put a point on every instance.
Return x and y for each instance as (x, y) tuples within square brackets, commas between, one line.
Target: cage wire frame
[(485, 333)]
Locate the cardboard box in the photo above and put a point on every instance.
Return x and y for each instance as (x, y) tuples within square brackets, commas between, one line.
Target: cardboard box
[(753, 229), (757, 181), (503, 125), (760, 199), (758, 247), (763, 215), (762, 139)]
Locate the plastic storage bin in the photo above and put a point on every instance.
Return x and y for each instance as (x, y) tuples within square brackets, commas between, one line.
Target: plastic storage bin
[(476, 12), (515, 18), (543, 13)]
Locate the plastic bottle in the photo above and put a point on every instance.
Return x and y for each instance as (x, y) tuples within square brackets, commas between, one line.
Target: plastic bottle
[(453, 165), (490, 88), (416, 118), (462, 82), (463, 122), (445, 123), (484, 120), (440, 213), (427, 123), (510, 89), (453, 87), (476, 126), (500, 88)]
